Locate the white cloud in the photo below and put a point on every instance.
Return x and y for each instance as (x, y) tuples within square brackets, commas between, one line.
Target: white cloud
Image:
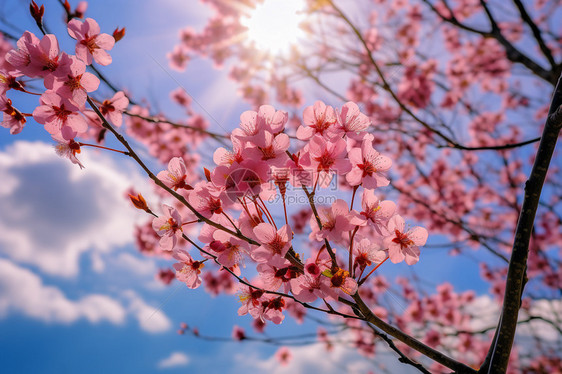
[(315, 359), (174, 360), (150, 318), (53, 212), (23, 292), (550, 310), (98, 265), (485, 311), (134, 264)]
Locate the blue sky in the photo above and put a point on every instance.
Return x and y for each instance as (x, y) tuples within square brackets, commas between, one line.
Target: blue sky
[(75, 296)]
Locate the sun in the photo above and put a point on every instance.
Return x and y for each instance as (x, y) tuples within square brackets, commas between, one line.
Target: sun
[(274, 24)]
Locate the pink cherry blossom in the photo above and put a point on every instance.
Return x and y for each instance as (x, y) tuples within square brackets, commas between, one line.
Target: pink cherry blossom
[(238, 333), (78, 12), (36, 58), (273, 150), (326, 157), (240, 180), (417, 85), (273, 242), (90, 43), (258, 325), (403, 244), (75, 85), (8, 80), (336, 220), (66, 146), (367, 252), (350, 121), (284, 356), (369, 166), (56, 113), (182, 98), (113, 108), (272, 309), (228, 249), (342, 281), (221, 282), (249, 219), (187, 270), (254, 125), (225, 157), (307, 288), (178, 58), (20, 58), (168, 227), (251, 299), (45, 58), (205, 199), (176, 175), (300, 175), (377, 213), (317, 119), (166, 276), (12, 119), (276, 273)]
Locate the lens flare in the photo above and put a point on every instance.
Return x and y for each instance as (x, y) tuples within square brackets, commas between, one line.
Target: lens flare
[(274, 25)]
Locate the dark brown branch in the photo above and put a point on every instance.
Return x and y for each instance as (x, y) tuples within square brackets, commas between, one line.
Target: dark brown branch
[(175, 124), (435, 355), (9, 36), (310, 196), (109, 84), (451, 143), (536, 32), (494, 147), (513, 54), (498, 354), (402, 357), (131, 153), (473, 234)]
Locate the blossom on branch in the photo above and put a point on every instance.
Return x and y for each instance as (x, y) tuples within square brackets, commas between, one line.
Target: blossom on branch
[(404, 244), (91, 44), (56, 113), (187, 270), (168, 227), (274, 243), (369, 166), (73, 83)]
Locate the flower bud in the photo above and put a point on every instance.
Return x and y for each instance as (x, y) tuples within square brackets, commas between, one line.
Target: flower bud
[(37, 13), (118, 34), (139, 202)]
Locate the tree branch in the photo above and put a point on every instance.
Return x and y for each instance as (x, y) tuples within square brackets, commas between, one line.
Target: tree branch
[(498, 354), (131, 153), (513, 54), (435, 355), (536, 32)]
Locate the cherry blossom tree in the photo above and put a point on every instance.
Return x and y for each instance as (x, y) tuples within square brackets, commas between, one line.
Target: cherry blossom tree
[(440, 117)]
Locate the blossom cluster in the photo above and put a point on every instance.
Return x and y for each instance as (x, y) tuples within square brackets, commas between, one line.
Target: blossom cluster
[(239, 226), (62, 104)]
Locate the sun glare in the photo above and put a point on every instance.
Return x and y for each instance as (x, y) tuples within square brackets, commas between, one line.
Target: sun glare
[(274, 24)]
